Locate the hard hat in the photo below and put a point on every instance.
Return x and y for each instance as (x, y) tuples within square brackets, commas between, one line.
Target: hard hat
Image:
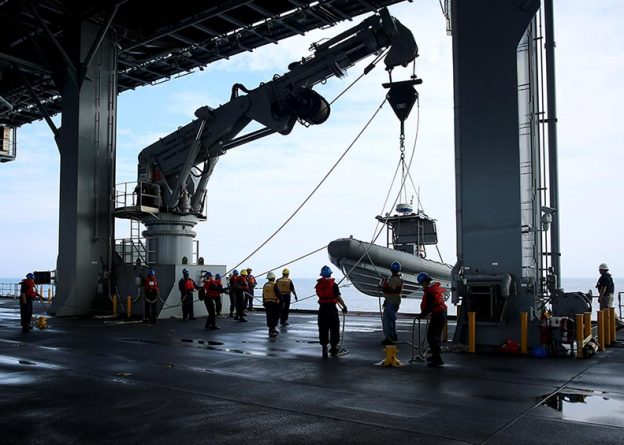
[(185, 272), (151, 272), (30, 276), (270, 276), (218, 276), (208, 274), (603, 266), (422, 277), (244, 272), (326, 271), (235, 272), (395, 266), (285, 271), (248, 269)]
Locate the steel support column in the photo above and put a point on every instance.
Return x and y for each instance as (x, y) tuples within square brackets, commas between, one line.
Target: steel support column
[(87, 177), (486, 34)]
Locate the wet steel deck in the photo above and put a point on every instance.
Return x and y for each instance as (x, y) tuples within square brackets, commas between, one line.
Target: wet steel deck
[(95, 381)]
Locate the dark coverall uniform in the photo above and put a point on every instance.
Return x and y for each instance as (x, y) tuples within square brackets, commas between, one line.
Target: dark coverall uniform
[(433, 303), (151, 298), (271, 302), (28, 292), (213, 292), (187, 286), (328, 323)]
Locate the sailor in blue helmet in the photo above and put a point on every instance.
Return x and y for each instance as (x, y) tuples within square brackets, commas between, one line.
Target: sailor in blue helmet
[(152, 293), (187, 286), (433, 304), (28, 292), (328, 323), (391, 288)]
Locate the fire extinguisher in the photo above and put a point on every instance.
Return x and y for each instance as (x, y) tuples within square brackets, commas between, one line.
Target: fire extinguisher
[(544, 329)]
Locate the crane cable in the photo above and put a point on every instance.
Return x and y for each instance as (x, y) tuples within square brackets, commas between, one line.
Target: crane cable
[(314, 190)]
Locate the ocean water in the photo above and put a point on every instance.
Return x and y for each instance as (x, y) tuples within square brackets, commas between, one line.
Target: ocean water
[(359, 302)]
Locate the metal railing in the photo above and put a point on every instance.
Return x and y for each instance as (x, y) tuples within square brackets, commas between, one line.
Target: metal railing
[(142, 194), (9, 290)]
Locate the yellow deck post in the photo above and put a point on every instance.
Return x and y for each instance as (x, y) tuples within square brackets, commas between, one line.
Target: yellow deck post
[(607, 327), (601, 331), (587, 324), (579, 335), (612, 324), (472, 332), (524, 332), (129, 306), (114, 304)]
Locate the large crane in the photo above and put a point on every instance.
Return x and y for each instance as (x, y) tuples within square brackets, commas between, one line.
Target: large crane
[(174, 171)]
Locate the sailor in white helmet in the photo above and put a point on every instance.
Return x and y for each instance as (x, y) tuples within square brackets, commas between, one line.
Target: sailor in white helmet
[(606, 289)]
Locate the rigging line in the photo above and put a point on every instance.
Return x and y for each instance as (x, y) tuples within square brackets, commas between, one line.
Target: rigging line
[(366, 71), (317, 187), (292, 261), (346, 275)]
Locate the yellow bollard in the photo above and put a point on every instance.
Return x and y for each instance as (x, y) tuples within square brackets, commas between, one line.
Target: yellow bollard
[(579, 335), (587, 324), (49, 294), (601, 331), (524, 332), (129, 306), (114, 304), (612, 325), (472, 332), (607, 327)]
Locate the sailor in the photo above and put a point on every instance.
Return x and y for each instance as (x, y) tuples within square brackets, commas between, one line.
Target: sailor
[(239, 283), (28, 292), (187, 286), (212, 292), (433, 304), (152, 293), (328, 324), (286, 288), (218, 302), (391, 288), (606, 289), (271, 302), (230, 288), (251, 285)]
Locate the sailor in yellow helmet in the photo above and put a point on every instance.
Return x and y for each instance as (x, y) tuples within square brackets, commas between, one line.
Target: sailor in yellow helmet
[(286, 288), (271, 299)]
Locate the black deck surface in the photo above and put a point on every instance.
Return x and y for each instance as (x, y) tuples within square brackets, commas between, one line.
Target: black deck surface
[(84, 381)]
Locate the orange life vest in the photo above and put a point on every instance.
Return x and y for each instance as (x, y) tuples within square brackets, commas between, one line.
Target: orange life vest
[(211, 288), (325, 290), (150, 284), (31, 288), (189, 285)]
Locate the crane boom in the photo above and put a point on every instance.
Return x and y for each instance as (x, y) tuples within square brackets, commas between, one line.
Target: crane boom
[(277, 105)]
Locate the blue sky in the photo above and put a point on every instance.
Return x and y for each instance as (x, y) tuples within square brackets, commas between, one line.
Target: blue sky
[(272, 176)]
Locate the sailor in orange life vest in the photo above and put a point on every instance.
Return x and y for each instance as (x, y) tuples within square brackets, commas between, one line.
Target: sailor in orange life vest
[(271, 300), (328, 322), (251, 285), (212, 291), (433, 303), (218, 304), (187, 286), (152, 293), (391, 288), (286, 288), (238, 285), (28, 292)]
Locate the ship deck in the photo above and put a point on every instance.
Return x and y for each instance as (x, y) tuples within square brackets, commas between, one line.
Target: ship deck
[(105, 381)]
